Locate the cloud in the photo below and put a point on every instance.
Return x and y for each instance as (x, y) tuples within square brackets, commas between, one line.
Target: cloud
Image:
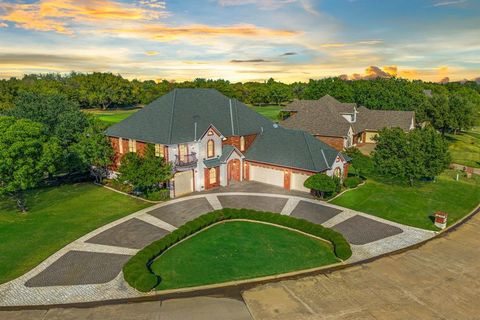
[(448, 3), (374, 72), (272, 4), (362, 43), (157, 4), (391, 70), (168, 33), (3, 25), (249, 61), (288, 54), (59, 15), (151, 53)]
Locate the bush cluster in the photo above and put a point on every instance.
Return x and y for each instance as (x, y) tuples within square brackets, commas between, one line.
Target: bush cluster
[(157, 195), (137, 270), (352, 182)]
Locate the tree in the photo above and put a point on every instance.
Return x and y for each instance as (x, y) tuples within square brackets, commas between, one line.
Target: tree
[(93, 150), (321, 184), (422, 153), (61, 116), (147, 172), (28, 156)]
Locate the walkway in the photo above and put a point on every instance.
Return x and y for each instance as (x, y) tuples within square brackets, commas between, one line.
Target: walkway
[(89, 269), (440, 280)]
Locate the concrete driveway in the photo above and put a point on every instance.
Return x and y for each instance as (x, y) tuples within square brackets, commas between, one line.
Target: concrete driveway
[(89, 269)]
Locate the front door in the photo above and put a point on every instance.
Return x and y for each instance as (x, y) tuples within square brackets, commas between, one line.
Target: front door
[(233, 170)]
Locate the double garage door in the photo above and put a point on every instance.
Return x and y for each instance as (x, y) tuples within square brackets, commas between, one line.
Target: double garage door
[(183, 183), (266, 175), (276, 177)]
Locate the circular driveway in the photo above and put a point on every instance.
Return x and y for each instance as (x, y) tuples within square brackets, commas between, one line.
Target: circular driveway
[(89, 269)]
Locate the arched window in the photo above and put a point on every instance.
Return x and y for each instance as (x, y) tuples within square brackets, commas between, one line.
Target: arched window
[(337, 172), (242, 143), (213, 175), (210, 148)]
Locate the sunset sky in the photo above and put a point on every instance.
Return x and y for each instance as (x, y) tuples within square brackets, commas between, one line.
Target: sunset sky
[(240, 40)]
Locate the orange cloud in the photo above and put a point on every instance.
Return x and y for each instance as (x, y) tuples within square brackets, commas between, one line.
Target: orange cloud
[(151, 53), (55, 15), (391, 70), (167, 33)]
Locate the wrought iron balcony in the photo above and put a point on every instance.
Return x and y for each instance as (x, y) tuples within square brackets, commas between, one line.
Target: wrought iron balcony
[(186, 160)]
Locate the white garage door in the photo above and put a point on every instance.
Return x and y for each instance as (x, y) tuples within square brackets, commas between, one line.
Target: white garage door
[(183, 183), (297, 182), (266, 175)]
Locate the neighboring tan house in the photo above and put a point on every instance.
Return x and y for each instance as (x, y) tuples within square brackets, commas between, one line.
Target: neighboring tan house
[(213, 140), (342, 125)]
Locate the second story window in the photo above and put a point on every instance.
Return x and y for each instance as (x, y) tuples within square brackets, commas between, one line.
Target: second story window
[(159, 151), (242, 143), (210, 149), (132, 145)]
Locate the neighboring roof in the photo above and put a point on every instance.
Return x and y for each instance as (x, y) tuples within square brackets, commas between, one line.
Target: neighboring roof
[(227, 150), (376, 120), (319, 117), (292, 148), (171, 118), (324, 117), (325, 101)]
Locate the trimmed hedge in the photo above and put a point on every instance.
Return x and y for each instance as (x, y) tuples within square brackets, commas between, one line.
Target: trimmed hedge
[(352, 182), (137, 271)]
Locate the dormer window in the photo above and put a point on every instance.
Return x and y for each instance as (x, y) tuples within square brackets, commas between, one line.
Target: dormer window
[(210, 148), (242, 143)]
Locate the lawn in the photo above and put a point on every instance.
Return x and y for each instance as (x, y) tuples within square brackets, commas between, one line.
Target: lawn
[(269, 111), (465, 148), (239, 250), (414, 205), (112, 116), (56, 217)]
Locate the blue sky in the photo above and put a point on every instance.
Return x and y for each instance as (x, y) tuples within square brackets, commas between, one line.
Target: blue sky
[(241, 40)]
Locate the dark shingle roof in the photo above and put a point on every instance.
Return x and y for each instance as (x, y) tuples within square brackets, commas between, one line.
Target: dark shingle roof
[(376, 120), (171, 118), (291, 148), (324, 117)]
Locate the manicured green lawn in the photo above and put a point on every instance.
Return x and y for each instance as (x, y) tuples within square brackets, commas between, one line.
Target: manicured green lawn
[(112, 116), (465, 148), (239, 250), (56, 217), (270, 111), (414, 205)]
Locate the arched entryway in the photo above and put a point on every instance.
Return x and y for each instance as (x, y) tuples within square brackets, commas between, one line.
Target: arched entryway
[(233, 170)]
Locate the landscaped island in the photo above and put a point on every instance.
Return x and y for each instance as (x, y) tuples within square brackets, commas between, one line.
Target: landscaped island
[(235, 250), (233, 244)]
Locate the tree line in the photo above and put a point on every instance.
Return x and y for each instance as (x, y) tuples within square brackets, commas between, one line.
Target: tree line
[(451, 106)]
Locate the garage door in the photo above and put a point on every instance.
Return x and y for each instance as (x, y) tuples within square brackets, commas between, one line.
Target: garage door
[(183, 183), (266, 175), (297, 182)]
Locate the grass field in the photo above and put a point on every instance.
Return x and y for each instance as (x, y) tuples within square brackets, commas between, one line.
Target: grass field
[(239, 250), (56, 217), (465, 148), (270, 111), (414, 205), (112, 116)]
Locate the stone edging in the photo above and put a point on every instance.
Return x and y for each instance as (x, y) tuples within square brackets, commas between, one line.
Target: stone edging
[(346, 190), (127, 194)]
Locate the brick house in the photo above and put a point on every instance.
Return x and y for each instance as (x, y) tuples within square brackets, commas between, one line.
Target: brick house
[(213, 140), (342, 125)]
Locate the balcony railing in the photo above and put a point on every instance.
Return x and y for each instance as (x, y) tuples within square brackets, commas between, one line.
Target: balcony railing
[(186, 160)]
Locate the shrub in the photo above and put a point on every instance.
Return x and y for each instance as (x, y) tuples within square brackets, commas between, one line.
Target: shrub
[(352, 182), (157, 195), (321, 184), (139, 275)]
